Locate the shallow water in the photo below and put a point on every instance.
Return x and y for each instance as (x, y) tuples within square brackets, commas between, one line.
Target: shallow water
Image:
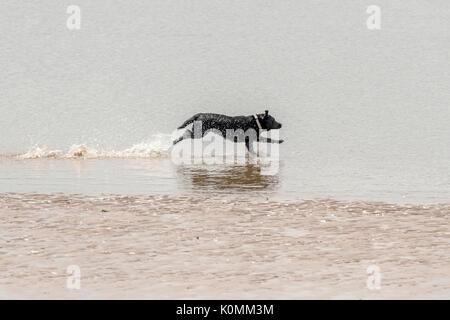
[(365, 113), (297, 177)]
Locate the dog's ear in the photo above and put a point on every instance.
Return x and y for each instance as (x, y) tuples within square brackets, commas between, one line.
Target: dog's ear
[(267, 113)]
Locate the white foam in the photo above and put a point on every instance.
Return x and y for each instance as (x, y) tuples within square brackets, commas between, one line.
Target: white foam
[(157, 146), (40, 152)]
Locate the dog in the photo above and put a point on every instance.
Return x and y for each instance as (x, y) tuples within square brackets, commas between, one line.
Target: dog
[(245, 128)]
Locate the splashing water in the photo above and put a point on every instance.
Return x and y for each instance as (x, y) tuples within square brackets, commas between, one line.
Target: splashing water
[(157, 146)]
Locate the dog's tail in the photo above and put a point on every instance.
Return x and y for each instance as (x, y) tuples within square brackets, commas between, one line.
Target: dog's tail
[(189, 121)]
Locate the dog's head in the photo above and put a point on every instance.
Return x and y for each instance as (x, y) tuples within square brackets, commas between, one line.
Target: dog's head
[(268, 122)]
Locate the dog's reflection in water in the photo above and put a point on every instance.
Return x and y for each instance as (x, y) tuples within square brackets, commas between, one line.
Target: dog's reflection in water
[(232, 178)]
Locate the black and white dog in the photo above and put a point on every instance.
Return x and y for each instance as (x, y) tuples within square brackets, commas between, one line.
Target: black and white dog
[(238, 129)]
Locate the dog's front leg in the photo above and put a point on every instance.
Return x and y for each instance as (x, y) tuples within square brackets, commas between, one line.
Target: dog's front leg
[(249, 145), (268, 140)]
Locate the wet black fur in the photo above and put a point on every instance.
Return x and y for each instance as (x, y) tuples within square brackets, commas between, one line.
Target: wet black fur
[(220, 123)]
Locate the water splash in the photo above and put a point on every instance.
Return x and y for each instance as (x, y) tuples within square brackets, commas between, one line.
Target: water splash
[(40, 152), (157, 146)]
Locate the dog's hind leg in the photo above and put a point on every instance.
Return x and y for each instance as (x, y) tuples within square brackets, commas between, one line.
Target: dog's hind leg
[(187, 135), (178, 140), (188, 121)]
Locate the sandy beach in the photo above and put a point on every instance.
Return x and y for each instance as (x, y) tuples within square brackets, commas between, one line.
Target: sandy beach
[(211, 248)]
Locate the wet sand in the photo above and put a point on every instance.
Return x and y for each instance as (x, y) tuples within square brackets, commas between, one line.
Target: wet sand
[(220, 247)]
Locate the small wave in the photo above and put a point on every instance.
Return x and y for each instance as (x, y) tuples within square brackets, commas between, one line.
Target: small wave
[(157, 146)]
